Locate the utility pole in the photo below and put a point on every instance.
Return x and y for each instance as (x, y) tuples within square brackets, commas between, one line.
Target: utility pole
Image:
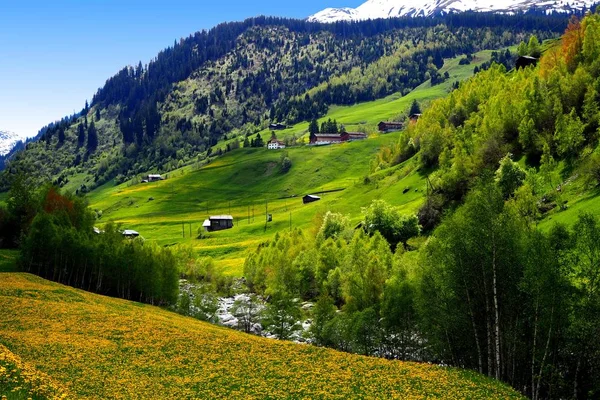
[(266, 213), (183, 228)]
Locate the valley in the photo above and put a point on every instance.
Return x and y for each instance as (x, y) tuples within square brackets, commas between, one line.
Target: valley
[(243, 177)]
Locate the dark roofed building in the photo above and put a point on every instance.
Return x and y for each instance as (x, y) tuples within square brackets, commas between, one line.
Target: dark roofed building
[(277, 127), (218, 223), (386, 127), (326, 138), (329, 138), (414, 117), (354, 136), (310, 198), (526, 61)]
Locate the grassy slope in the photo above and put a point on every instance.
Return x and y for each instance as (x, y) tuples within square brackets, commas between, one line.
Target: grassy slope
[(99, 347), (241, 182)]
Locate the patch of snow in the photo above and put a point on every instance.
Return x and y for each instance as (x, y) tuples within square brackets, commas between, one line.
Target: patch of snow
[(374, 9), (7, 142)]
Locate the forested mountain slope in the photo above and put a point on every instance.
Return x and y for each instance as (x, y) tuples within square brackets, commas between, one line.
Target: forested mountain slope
[(237, 78)]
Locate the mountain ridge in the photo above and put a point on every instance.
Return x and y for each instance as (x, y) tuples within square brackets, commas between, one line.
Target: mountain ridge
[(8, 140), (376, 9)]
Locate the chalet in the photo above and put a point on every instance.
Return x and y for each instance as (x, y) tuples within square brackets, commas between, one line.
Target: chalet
[(277, 127), (218, 223), (353, 136), (310, 198), (130, 233), (154, 178), (275, 144), (386, 127), (320, 139), (414, 117), (526, 61)]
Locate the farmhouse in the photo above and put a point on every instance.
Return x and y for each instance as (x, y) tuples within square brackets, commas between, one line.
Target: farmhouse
[(320, 139), (353, 136), (310, 198), (526, 61), (154, 178), (275, 144), (218, 223), (386, 127)]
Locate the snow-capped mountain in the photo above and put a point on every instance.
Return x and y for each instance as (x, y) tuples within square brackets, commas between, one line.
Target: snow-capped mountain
[(7, 142), (374, 9)]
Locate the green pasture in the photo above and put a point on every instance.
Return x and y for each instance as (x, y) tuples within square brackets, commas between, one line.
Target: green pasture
[(248, 183)]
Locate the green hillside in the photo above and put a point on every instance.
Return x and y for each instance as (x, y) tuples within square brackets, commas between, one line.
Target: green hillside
[(92, 347), (241, 183), (247, 183)]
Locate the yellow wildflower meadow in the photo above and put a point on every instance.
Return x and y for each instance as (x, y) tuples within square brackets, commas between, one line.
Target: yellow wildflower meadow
[(20, 380), (100, 347)]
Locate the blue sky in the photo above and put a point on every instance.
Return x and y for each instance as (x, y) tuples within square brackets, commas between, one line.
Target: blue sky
[(55, 54)]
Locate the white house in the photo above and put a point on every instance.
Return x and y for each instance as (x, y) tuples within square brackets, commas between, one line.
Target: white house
[(275, 144)]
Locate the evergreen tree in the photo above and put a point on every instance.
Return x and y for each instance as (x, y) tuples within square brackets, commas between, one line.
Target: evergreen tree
[(61, 136), (258, 142), (80, 135), (92, 138), (415, 108)]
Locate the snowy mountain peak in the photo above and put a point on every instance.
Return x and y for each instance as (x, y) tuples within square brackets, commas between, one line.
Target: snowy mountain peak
[(7, 141), (374, 9)]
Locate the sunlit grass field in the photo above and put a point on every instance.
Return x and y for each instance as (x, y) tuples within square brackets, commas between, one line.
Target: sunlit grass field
[(248, 183), (94, 347)]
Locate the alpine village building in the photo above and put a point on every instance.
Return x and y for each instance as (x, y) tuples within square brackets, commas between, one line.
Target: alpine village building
[(320, 139), (275, 144)]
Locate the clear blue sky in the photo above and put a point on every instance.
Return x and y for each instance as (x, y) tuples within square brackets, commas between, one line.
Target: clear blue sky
[(55, 54)]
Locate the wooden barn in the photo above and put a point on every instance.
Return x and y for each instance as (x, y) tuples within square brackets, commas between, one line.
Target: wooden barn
[(218, 223), (277, 127), (414, 117), (310, 198), (320, 139), (386, 127), (526, 61)]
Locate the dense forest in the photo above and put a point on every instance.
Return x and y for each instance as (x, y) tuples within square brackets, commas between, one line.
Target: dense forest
[(235, 79)]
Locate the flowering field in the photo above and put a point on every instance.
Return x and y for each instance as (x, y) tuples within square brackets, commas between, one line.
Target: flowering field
[(99, 347), (19, 380)]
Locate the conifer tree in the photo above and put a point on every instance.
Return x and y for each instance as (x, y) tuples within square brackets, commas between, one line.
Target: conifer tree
[(92, 140)]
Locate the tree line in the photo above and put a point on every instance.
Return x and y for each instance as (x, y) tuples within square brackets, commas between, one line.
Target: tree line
[(57, 240)]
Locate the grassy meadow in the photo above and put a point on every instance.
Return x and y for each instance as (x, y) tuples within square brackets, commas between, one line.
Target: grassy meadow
[(89, 346), (248, 183)]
